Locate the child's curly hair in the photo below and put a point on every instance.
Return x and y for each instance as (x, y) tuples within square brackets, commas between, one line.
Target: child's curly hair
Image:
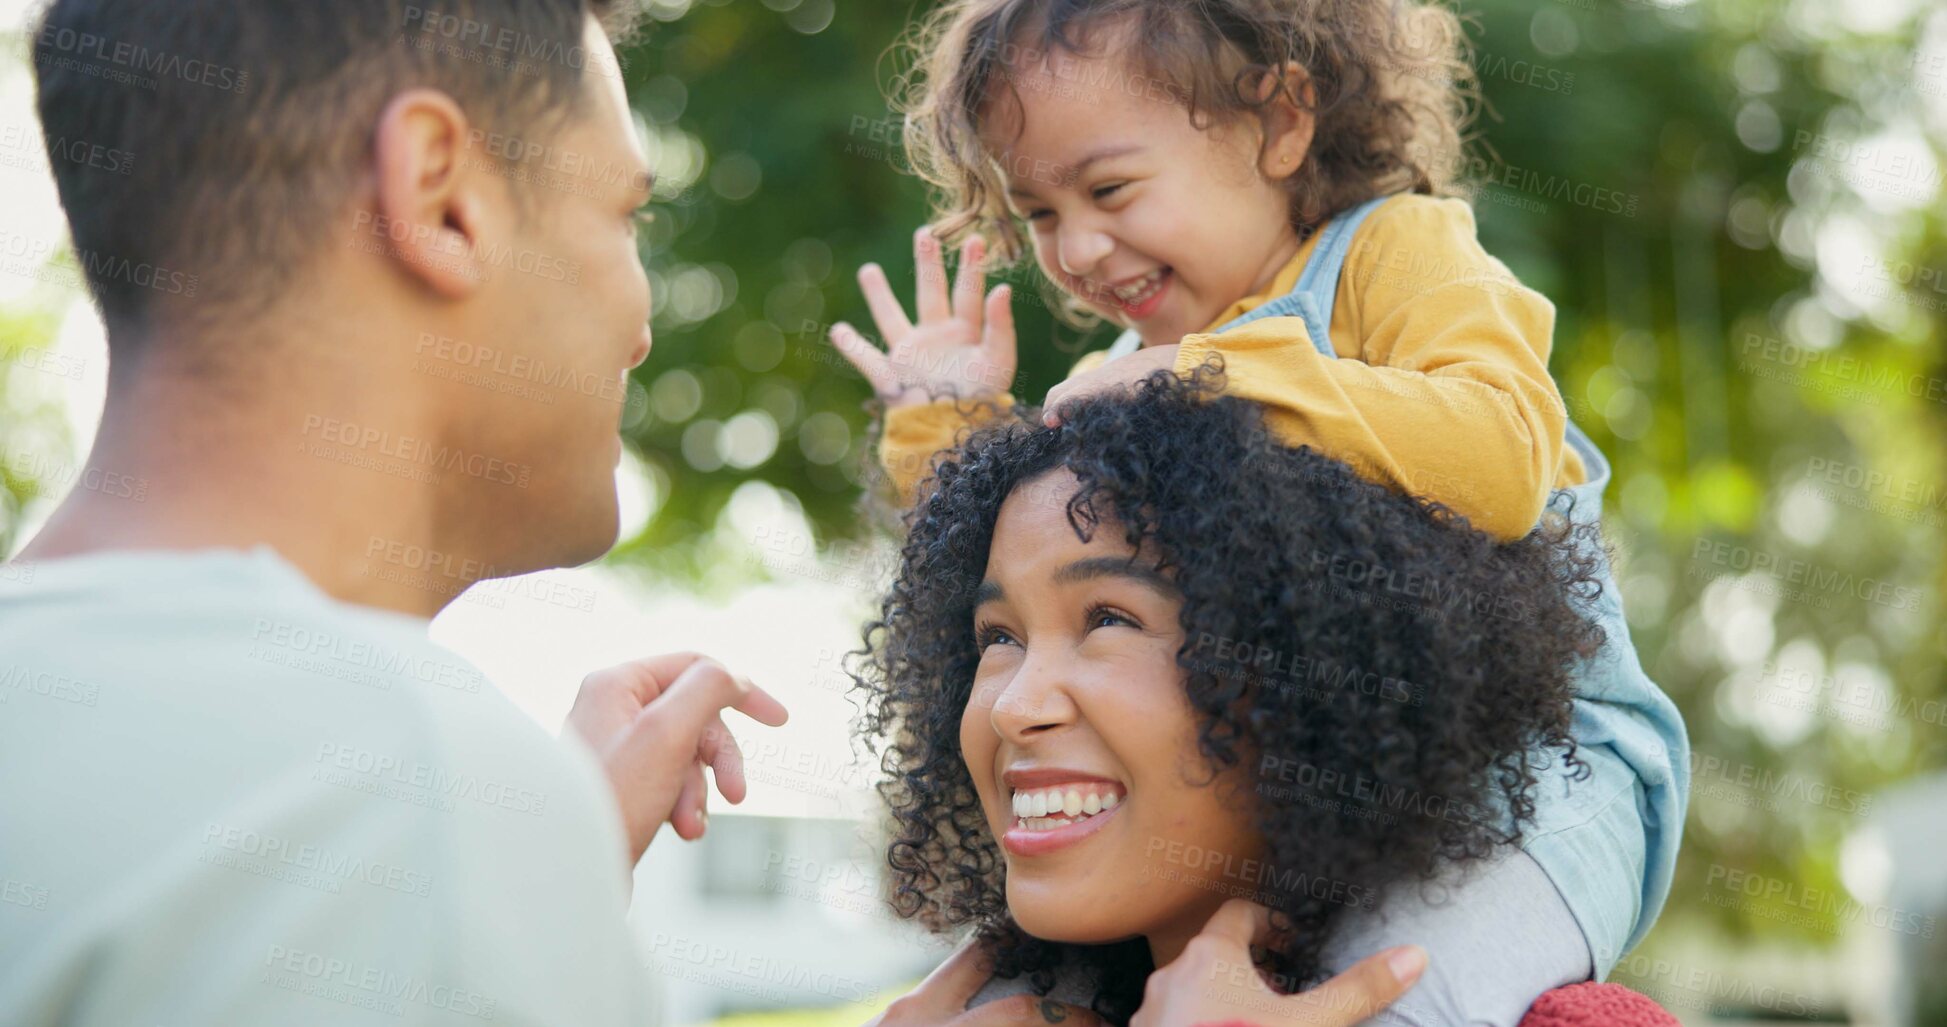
[(1394, 89), (1262, 541)]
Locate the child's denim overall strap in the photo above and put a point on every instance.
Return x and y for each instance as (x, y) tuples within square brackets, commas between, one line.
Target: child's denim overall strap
[(1318, 285), (1609, 840)]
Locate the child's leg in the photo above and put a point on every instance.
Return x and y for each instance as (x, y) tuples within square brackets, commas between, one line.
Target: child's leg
[(1496, 933)]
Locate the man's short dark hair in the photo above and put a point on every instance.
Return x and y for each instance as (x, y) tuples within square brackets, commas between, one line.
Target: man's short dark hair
[(221, 136)]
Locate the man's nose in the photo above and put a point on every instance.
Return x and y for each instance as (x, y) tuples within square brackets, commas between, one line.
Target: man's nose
[(642, 346)]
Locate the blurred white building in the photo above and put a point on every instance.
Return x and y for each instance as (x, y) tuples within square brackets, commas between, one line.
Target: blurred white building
[(778, 906)]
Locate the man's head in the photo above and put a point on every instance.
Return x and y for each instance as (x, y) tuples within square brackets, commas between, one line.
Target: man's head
[(437, 197)]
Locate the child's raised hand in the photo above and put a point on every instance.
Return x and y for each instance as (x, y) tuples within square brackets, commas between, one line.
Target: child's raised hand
[(961, 347)]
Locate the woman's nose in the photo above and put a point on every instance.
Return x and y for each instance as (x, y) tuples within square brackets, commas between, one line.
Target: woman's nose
[(1035, 700)]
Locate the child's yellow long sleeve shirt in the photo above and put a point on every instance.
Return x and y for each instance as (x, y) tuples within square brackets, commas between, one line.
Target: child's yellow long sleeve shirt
[(1444, 391)]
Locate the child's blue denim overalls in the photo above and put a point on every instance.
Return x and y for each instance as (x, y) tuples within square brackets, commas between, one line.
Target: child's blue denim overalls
[(1609, 841)]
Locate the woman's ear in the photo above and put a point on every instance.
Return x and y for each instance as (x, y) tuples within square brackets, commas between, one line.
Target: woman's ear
[(1286, 100)]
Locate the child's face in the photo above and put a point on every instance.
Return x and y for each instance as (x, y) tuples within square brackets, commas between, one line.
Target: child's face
[(1078, 694), (1153, 223)]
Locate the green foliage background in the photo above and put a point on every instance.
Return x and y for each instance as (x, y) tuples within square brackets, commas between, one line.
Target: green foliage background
[(1710, 118), (779, 172)]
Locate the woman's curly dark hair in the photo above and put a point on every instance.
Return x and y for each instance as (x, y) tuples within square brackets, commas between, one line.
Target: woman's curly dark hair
[(1409, 652)]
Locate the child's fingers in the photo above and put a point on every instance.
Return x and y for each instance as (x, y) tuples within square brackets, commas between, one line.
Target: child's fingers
[(1072, 391), (870, 360), (1059, 395), (997, 331), (1240, 923), (1352, 997), (886, 310), (931, 269), (971, 279)]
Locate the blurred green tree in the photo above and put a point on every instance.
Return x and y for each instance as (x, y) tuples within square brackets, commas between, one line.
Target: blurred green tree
[(33, 433), (1735, 208)]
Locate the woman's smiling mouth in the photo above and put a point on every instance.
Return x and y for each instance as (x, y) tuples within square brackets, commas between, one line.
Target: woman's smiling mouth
[(1048, 817)]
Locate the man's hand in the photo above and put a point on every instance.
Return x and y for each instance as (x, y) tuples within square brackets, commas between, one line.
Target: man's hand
[(1118, 375), (1215, 982), (941, 999), (655, 724)]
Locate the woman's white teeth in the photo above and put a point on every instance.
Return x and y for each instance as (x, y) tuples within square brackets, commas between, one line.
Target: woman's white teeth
[(1047, 808)]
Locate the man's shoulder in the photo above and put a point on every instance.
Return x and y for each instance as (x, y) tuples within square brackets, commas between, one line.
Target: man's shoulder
[(165, 636), (252, 779), (233, 688)]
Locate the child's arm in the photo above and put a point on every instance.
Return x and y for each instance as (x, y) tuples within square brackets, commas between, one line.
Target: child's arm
[(914, 435), (1450, 397)]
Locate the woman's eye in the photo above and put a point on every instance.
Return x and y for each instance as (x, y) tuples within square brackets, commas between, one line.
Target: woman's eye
[(1103, 192), (1105, 618), (987, 637), (1040, 215)]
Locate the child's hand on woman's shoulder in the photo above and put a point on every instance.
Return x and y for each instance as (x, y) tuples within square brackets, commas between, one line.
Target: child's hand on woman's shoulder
[(962, 347), (941, 999), (1118, 375), (1214, 983)]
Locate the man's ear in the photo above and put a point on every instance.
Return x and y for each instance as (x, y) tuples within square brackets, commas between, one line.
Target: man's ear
[(429, 214), (1286, 101)]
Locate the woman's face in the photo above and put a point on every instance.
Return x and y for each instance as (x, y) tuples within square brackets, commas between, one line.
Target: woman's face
[(1082, 743)]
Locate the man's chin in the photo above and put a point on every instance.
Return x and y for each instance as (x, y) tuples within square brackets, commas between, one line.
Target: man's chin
[(580, 529), (598, 532)]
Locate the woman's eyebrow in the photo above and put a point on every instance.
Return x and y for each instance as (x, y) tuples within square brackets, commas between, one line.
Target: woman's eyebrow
[(1089, 569), (1118, 567)]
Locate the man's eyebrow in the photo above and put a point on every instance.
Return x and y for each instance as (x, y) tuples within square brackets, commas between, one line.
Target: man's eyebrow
[(1073, 172), (1118, 567)]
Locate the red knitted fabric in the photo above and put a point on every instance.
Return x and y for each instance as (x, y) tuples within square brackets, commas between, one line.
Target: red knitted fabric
[(1596, 1005)]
